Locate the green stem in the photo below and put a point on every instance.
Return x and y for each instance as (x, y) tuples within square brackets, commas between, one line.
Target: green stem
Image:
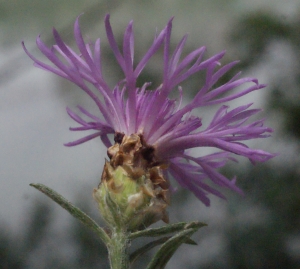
[(118, 250)]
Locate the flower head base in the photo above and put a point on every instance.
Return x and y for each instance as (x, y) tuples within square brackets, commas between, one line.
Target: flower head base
[(165, 125), (133, 192)]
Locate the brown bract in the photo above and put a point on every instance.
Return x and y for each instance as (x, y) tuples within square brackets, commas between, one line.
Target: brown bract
[(138, 159)]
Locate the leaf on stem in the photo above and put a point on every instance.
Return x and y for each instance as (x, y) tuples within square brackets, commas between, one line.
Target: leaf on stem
[(136, 254), (73, 210), (166, 251), (139, 252), (167, 229)]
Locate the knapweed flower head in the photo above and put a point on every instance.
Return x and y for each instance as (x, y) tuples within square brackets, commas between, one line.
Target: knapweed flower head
[(164, 128)]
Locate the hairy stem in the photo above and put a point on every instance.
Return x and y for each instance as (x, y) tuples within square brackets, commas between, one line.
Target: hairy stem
[(117, 250)]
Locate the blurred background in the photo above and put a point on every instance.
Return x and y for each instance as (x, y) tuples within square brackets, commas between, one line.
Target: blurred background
[(259, 230)]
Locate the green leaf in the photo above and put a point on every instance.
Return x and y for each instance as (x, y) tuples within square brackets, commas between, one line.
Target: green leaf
[(167, 250), (73, 210), (139, 252), (189, 241), (171, 228), (146, 248)]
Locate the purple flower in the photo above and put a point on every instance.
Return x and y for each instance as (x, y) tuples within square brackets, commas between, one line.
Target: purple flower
[(164, 123)]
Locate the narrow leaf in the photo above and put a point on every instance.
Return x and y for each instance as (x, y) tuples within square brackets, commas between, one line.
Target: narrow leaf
[(139, 252), (171, 228), (189, 241), (147, 247), (167, 250), (73, 210)]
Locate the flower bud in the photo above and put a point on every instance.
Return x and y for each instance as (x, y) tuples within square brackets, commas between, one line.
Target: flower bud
[(133, 193)]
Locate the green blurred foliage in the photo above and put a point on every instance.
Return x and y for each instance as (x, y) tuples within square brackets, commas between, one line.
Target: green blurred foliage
[(254, 32), (273, 189), (252, 38)]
